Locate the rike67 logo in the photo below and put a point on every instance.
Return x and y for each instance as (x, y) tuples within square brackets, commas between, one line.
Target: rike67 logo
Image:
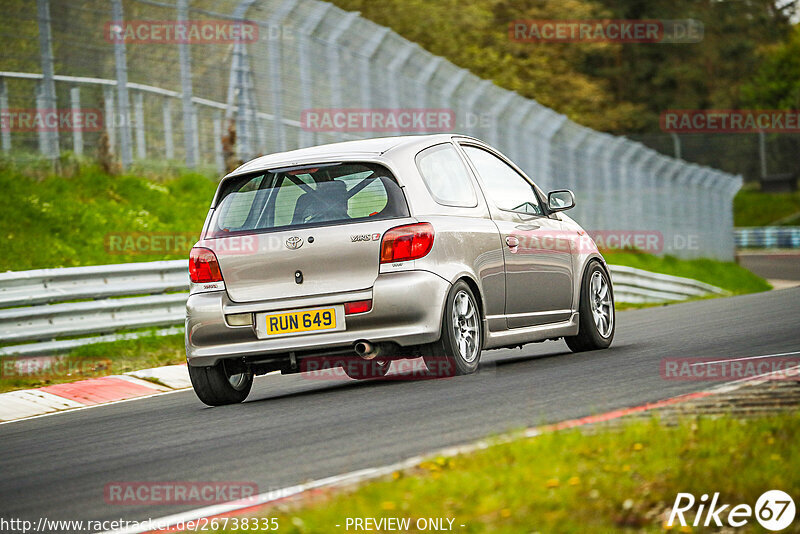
[(774, 510)]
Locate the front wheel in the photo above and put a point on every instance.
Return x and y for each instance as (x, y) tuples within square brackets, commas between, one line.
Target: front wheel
[(458, 350), (226, 382), (596, 310)]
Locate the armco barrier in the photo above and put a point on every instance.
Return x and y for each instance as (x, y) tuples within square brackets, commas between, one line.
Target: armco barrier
[(40, 305), (768, 237), (639, 286), (40, 308)]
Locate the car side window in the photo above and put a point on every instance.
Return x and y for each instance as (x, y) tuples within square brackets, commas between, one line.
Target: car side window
[(504, 186), (446, 176)]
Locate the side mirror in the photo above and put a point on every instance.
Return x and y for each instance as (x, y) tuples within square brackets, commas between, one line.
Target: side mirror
[(560, 200)]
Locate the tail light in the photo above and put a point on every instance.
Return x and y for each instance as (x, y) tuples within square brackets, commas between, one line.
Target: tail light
[(406, 243), (203, 266)]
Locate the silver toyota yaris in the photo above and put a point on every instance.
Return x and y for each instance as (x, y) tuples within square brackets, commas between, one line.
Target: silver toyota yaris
[(365, 252)]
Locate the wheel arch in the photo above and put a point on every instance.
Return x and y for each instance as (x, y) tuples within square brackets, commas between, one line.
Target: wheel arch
[(587, 262), (478, 294)]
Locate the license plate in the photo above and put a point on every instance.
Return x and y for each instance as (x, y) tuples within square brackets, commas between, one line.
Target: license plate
[(273, 324)]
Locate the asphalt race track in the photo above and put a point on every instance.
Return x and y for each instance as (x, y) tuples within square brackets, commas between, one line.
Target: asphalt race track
[(293, 429)]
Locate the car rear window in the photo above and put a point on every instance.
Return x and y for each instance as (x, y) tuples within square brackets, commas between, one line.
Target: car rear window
[(307, 196)]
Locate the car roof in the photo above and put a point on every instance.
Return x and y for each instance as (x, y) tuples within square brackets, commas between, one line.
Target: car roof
[(346, 150)]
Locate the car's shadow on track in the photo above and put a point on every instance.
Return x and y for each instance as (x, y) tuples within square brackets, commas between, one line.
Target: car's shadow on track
[(299, 386), (325, 385)]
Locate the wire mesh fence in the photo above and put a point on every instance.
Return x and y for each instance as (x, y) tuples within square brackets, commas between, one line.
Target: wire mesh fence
[(164, 80)]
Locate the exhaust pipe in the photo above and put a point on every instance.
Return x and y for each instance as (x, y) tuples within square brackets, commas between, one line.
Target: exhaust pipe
[(366, 350)]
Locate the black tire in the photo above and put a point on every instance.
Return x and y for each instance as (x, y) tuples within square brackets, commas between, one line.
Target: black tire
[(590, 336), (221, 384), (359, 369), (457, 354)]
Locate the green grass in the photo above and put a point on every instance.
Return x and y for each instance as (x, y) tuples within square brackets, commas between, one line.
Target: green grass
[(726, 275), (754, 208), (609, 480), (100, 359), (50, 221)]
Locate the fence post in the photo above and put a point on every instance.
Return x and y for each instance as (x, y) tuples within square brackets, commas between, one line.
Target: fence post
[(552, 123), (334, 53), (236, 86), (110, 117), (681, 213), (218, 157), (243, 116), (185, 59), (276, 80), (609, 171), (124, 115), (41, 110), (450, 89), (496, 113), (138, 109), (394, 79), (669, 205), (50, 147), (169, 145), (196, 137), (471, 101), (537, 145), (369, 49), (309, 26), (731, 188), (77, 132), (424, 78), (628, 183), (655, 214), (591, 173), (520, 152), (572, 174), (713, 213), (646, 179), (676, 145), (5, 134), (700, 210)]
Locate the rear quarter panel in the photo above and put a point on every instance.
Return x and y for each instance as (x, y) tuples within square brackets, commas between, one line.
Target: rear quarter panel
[(466, 243)]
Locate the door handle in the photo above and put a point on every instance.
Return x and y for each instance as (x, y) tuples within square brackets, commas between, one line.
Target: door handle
[(512, 241)]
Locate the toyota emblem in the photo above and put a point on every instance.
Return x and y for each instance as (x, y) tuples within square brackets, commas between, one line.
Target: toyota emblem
[(294, 242)]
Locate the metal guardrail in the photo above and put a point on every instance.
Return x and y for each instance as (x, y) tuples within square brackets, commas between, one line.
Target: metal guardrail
[(640, 286), (47, 305), (768, 237), (44, 306)]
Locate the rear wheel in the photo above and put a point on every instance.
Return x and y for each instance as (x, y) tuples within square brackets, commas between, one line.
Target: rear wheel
[(458, 350), (596, 309), (226, 382), (362, 369)]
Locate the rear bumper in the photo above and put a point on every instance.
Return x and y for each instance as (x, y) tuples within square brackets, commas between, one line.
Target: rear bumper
[(407, 309)]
